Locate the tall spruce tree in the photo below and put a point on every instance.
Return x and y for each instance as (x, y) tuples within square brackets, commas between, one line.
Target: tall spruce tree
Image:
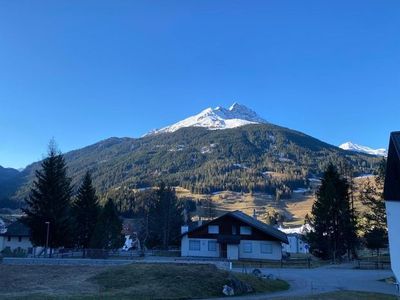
[(165, 218), (50, 201), (334, 226), (85, 210), (108, 231)]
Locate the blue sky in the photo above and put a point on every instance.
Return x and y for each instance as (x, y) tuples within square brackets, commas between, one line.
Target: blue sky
[(82, 71)]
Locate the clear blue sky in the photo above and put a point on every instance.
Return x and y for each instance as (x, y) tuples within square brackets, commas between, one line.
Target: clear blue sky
[(82, 71)]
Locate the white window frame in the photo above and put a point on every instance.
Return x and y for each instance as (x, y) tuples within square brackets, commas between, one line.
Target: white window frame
[(194, 248), (245, 230), (266, 248), (213, 245), (213, 229), (247, 247)]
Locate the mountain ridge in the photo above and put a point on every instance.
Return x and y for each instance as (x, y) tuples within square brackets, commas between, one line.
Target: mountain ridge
[(217, 118), (350, 146)]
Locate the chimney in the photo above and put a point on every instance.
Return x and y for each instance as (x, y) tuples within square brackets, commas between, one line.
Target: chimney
[(184, 229), (254, 214)]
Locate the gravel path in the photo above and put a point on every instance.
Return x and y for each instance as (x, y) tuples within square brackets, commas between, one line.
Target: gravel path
[(304, 282)]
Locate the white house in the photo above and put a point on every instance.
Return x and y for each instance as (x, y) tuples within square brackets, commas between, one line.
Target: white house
[(16, 238), (296, 239), (234, 236), (392, 201)]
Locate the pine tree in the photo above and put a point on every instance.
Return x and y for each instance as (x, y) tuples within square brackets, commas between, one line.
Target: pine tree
[(85, 210), (49, 201), (165, 218), (334, 227), (108, 231)]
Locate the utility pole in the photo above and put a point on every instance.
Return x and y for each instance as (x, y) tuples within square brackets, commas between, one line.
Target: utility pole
[(47, 235)]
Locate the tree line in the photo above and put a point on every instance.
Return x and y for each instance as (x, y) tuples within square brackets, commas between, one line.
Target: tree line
[(337, 227), (58, 218)]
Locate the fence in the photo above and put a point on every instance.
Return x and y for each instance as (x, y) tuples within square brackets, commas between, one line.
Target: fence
[(99, 253), (288, 263), (373, 263)]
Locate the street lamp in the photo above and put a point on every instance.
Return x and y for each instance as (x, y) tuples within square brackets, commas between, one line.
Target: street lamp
[(47, 235)]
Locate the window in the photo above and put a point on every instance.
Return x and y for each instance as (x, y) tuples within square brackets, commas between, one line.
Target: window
[(9, 239), (234, 229), (194, 245), (247, 247), (266, 248), (245, 230), (212, 246), (20, 239), (214, 229)]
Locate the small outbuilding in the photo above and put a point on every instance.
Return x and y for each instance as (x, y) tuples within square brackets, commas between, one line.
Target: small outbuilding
[(234, 236)]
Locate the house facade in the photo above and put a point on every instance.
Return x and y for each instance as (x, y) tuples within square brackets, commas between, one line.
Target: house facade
[(392, 201), (234, 236), (16, 238), (296, 239)]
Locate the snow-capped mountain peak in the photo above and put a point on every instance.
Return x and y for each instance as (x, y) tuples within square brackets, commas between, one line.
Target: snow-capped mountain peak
[(217, 118), (363, 149)]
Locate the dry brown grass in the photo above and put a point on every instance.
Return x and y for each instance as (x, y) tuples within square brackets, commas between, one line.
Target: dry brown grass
[(22, 280), (294, 209)]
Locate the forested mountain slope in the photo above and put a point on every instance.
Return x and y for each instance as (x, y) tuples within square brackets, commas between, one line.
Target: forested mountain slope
[(205, 161)]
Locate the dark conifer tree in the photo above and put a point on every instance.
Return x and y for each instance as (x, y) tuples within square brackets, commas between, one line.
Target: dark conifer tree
[(165, 218), (86, 210), (108, 231), (334, 231), (49, 201)]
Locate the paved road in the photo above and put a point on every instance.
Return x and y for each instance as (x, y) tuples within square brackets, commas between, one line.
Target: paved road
[(305, 282)]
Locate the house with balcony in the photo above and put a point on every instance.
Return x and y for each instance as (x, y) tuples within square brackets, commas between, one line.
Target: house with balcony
[(234, 236)]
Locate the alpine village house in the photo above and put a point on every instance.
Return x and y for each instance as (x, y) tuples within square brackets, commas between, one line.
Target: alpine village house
[(234, 236)]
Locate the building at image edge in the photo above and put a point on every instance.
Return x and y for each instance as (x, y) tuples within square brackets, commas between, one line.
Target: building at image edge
[(392, 201)]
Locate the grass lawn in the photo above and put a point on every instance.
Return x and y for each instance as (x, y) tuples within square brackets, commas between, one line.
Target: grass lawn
[(136, 281), (343, 295), (168, 281)]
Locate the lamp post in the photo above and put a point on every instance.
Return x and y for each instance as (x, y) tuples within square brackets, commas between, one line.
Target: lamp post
[(47, 235)]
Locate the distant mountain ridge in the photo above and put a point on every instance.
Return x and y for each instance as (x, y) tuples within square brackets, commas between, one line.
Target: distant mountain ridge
[(9, 181), (216, 118), (349, 146)]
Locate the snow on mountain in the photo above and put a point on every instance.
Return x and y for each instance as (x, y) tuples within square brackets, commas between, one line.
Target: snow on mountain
[(217, 118), (363, 149)]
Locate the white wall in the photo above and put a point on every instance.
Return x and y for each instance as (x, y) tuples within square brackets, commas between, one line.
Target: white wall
[(204, 252), (14, 243), (296, 245), (254, 254), (393, 220), (256, 250)]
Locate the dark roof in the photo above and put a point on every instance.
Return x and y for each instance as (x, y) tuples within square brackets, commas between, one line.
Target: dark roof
[(392, 178), (267, 229), (17, 229)]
